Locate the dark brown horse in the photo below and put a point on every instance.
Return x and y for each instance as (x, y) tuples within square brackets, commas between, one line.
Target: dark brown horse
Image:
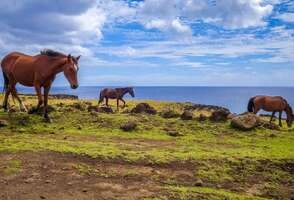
[(271, 104), (116, 93), (37, 71)]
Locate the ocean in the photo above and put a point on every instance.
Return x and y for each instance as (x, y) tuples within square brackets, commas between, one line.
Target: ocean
[(233, 98)]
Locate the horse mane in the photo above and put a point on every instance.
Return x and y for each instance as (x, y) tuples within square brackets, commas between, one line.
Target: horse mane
[(51, 53)]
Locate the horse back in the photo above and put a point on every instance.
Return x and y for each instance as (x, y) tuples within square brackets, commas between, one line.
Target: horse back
[(109, 93), (9, 60), (270, 103)]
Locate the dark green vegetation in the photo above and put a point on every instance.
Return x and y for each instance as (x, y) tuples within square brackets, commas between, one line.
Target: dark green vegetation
[(205, 160)]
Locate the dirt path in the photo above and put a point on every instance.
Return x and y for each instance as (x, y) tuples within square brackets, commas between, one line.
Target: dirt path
[(62, 176)]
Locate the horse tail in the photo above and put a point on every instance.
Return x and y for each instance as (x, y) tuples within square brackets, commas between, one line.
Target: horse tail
[(6, 81), (250, 105)]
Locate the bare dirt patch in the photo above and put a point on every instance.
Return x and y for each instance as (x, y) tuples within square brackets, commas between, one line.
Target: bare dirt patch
[(50, 175)]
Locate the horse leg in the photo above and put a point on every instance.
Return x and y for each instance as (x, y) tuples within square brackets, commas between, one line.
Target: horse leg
[(106, 100), (123, 102), (5, 101), (117, 104), (280, 118), (273, 114), (46, 93), (15, 95), (256, 110)]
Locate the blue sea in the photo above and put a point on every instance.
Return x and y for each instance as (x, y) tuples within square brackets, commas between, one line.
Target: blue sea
[(234, 98)]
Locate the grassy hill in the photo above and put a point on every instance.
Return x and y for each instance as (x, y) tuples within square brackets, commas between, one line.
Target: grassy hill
[(86, 155)]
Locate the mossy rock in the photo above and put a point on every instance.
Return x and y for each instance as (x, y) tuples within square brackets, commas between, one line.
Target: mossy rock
[(169, 113), (220, 115), (3, 123), (144, 108), (187, 115), (129, 126)]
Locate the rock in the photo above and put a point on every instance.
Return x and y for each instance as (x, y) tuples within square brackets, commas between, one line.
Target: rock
[(187, 115), (245, 121), (201, 118), (33, 110), (219, 115), (93, 108), (64, 96), (12, 109), (29, 180), (268, 125), (85, 190), (129, 126), (3, 123), (24, 121), (169, 113), (231, 116), (105, 109), (174, 133), (88, 103), (191, 106), (93, 113), (198, 183), (42, 197), (144, 108), (79, 106)]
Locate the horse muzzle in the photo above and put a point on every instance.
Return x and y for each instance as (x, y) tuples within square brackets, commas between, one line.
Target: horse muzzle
[(74, 86)]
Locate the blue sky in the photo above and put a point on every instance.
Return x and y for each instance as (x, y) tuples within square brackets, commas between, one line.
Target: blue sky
[(159, 42)]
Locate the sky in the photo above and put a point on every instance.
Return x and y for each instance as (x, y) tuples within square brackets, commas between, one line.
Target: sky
[(159, 42)]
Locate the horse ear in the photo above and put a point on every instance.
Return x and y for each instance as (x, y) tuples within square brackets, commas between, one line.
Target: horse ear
[(78, 57), (68, 57)]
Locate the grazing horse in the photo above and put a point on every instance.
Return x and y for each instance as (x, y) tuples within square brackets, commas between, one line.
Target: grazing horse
[(116, 93), (271, 104), (37, 71)]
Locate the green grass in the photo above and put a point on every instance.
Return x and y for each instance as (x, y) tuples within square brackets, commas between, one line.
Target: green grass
[(220, 154), (184, 193)]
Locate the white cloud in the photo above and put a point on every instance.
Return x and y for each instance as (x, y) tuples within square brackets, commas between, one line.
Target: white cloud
[(287, 17)]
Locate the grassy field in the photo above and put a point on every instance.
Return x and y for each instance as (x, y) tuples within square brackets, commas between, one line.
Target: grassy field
[(85, 155)]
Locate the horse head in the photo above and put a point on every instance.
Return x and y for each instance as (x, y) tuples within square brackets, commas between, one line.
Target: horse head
[(70, 70), (131, 91), (290, 116)]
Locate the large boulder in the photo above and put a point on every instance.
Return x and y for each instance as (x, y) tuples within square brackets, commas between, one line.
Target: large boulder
[(187, 115), (245, 121), (144, 108), (219, 115)]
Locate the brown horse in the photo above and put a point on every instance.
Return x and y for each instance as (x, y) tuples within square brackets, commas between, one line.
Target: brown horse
[(116, 93), (271, 104), (37, 71)]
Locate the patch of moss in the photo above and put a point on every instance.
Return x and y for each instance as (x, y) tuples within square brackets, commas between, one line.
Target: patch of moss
[(11, 167)]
